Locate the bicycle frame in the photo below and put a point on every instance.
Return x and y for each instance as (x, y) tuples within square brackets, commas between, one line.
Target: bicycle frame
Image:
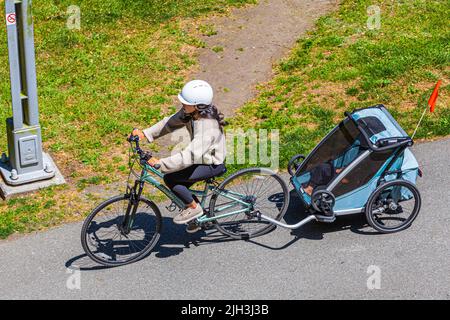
[(147, 176)]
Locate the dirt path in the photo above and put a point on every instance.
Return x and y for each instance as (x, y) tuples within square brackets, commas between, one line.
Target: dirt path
[(252, 40)]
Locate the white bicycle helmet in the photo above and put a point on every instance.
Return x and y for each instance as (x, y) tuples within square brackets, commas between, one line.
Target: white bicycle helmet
[(196, 92)]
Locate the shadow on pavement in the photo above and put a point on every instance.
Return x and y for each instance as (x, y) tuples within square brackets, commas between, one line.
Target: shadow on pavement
[(174, 239), (316, 230)]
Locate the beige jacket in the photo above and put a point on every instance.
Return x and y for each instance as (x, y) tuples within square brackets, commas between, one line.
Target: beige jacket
[(207, 142)]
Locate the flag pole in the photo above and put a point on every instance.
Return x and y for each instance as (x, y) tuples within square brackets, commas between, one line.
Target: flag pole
[(420, 121), (431, 103)]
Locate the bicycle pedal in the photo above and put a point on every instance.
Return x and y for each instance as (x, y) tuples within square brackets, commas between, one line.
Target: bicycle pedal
[(207, 226)]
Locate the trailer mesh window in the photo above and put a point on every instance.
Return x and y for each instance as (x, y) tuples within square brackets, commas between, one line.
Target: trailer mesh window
[(362, 173)]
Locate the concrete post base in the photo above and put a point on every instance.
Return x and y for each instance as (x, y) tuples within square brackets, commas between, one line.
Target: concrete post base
[(10, 187)]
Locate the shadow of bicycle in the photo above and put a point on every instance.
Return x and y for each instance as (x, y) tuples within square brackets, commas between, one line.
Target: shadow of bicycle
[(175, 240), (316, 230)]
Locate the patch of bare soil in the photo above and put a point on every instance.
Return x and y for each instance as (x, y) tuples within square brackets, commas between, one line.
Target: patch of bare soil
[(248, 42), (242, 47)]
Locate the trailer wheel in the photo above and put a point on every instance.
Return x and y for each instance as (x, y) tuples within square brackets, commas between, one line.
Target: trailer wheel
[(393, 206)]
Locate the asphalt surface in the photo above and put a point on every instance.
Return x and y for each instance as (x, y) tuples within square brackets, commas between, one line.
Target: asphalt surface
[(315, 262)]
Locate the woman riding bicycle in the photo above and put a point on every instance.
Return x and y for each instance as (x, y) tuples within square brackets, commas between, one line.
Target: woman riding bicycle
[(203, 158)]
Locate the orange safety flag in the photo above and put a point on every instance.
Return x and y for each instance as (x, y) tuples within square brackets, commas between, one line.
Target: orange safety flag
[(434, 95)]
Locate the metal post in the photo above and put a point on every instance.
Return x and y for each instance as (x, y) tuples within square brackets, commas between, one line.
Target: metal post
[(26, 163)]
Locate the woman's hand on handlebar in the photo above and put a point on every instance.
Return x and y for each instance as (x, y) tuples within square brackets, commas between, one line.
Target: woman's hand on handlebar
[(145, 156), (139, 133), (154, 162)]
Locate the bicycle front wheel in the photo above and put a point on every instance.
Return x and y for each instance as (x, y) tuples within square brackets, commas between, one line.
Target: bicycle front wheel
[(262, 190), (108, 242)]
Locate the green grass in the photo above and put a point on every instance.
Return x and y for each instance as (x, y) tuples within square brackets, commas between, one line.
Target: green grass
[(341, 65), (217, 49), (207, 30), (119, 71)]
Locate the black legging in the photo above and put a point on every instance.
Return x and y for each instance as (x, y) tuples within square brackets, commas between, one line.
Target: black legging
[(180, 181)]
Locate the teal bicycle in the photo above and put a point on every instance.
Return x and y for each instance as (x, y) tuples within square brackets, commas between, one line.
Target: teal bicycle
[(126, 228)]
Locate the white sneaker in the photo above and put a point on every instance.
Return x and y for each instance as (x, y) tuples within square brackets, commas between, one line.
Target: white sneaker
[(188, 214)]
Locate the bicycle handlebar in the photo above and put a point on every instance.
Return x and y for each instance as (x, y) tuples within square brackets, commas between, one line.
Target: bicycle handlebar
[(143, 155)]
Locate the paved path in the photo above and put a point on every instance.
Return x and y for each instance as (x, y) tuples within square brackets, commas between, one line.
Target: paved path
[(317, 261)]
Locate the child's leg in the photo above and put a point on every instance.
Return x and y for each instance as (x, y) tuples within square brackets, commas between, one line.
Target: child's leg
[(321, 175)]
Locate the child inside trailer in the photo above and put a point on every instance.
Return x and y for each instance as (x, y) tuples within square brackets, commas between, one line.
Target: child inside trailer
[(321, 175)]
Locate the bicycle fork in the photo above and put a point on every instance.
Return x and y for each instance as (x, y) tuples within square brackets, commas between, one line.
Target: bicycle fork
[(135, 195)]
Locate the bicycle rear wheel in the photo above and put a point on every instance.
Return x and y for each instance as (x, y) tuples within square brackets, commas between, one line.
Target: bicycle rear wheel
[(106, 241), (263, 189)]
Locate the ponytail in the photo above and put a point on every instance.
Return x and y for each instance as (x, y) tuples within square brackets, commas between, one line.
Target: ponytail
[(211, 112)]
